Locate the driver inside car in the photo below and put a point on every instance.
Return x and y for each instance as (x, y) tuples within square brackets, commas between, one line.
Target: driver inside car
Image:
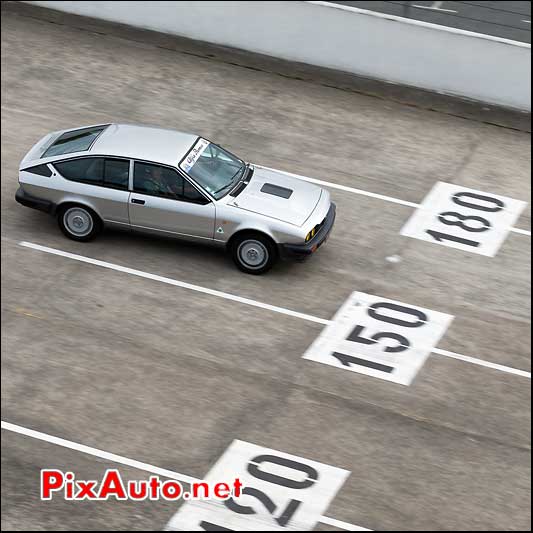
[(160, 181)]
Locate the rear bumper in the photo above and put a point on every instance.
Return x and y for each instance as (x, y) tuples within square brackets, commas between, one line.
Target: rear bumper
[(301, 251), (35, 203)]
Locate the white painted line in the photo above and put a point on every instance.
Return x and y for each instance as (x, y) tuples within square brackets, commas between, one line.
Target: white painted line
[(175, 282), (521, 231), (480, 362), (362, 192), (231, 297), (163, 472), (342, 525), (421, 23), (343, 187), (95, 452), (435, 7)]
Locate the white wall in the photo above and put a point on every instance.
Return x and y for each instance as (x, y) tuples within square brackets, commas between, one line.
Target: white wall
[(379, 46)]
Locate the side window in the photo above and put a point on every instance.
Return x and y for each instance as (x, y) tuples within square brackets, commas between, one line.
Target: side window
[(166, 182), (191, 194), (87, 170), (116, 173), (157, 181)]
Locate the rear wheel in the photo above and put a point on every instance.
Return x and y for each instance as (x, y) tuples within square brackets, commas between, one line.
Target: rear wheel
[(79, 222), (253, 253)]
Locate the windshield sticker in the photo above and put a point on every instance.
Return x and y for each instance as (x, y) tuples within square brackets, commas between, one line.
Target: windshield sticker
[(196, 151)]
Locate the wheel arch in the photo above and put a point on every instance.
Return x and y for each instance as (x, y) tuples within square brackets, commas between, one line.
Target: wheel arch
[(243, 232), (61, 206)]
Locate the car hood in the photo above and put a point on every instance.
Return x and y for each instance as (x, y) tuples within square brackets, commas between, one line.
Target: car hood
[(277, 195)]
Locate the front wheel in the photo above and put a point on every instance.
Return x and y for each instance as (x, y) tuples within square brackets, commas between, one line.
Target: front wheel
[(79, 223), (253, 253)]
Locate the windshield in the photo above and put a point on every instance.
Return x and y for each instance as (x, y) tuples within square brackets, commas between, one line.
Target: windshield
[(216, 170)]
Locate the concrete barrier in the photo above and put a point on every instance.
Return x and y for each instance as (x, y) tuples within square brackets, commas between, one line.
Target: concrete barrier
[(385, 47)]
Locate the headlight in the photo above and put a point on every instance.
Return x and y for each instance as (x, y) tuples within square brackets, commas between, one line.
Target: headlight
[(314, 231), (311, 234)]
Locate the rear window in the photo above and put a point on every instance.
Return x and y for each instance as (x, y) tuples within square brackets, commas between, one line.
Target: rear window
[(108, 172), (87, 170), (74, 141)]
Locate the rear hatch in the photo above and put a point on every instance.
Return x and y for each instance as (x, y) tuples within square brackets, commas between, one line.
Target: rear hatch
[(38, 149), (62, 143)]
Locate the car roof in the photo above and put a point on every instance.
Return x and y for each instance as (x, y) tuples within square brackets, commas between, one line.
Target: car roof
[(150, 143)]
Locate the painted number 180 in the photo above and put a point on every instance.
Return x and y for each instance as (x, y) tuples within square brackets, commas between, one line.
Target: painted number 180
[(467, 219), (470, 223)]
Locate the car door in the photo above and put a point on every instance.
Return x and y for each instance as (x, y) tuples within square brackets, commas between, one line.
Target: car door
[(164, 201), (101, 183)]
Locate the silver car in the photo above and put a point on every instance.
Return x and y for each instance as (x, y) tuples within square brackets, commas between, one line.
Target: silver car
[(171, 183)]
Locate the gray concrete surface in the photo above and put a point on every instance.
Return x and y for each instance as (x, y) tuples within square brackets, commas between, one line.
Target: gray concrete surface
[(171, 377), (349, 83)]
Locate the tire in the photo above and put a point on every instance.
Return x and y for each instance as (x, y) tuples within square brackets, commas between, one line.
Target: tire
[(79, 223), (253, 253)]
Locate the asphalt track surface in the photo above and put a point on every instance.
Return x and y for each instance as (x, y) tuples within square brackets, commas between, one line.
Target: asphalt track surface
[(171, 377), (506, 19)]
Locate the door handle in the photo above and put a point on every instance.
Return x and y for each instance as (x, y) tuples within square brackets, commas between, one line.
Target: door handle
[(137, 201)]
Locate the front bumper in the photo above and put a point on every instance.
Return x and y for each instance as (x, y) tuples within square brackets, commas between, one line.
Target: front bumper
[(301, 251), (25, 199)]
